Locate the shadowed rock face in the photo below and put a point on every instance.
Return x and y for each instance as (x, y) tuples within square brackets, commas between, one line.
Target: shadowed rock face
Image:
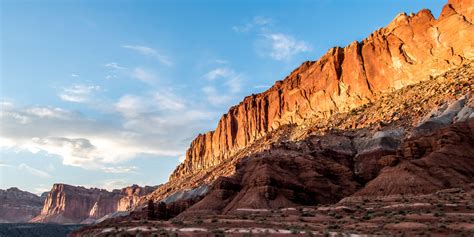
[(290, 174), (306, 173), (317, 96), (440, 160), (18, 206), (384, 154), (412, 48), (71, 204)]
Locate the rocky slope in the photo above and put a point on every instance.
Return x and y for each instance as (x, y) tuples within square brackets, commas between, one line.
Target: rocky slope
[(401, 165), (353, 142), (318, 96), (415, 140), (18, 206), (71, 204), (412, 48)]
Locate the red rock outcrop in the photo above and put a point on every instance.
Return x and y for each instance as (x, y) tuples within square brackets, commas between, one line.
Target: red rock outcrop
[(290, 174), (383, 156), (71, 204), (443, 159), (18, 206), (412, 48)]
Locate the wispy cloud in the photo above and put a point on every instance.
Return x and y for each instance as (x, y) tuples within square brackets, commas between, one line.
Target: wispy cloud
[(119, 169), (230, 79), (282, 46), (160, 124), (78, 93), (74, 75), (270, 43), (256, 22), (214, 97), (114, 66), (147, 51), (33, 171), (221, 72), (110, 77), (143, 74), (5, 165)]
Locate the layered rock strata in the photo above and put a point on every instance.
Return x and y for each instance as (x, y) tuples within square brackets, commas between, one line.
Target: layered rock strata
[(71, 204), (18, 206), (412, 48)]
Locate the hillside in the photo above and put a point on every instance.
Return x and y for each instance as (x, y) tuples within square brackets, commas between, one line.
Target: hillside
[(411, 49)]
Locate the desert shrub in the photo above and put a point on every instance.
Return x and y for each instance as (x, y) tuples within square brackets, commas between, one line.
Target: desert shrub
[(176, 222), (439, 213), (333, 226), (218, 233), (198, 221), (307, 214)]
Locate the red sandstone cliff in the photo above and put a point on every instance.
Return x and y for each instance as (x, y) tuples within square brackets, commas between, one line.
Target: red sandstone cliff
[(412, 48), (71, 204), (18, 206)]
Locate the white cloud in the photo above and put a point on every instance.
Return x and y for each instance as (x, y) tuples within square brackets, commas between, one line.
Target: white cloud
[(33, 171), (214, 97), (144, 75), (131, 106), (40, 190), (119, 169), (74, 75), (235, 84), (115, 66), (282, 46), (159, 124), (219, 73), (168, 101), (144, 50), (232, 81), (257, 21), (221, 61), (111, 184), (78, 93), (276, 45), (110, 77), (5, 165)]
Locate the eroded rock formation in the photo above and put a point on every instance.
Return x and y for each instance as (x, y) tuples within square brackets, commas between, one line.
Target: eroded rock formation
[(18, 206), (412, 48), (71, 204)]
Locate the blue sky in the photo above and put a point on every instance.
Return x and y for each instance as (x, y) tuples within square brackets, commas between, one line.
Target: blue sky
[(110, 93)]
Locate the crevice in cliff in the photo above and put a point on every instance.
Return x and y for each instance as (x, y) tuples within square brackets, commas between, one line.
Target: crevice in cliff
[(338, 62), (361, 57), (405, 55)]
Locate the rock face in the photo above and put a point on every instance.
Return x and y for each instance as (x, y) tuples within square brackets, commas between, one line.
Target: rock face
[(71, 204), (18, 206), (385, 154), (444, 159), (325, 169), (309, 172), (412, 48)]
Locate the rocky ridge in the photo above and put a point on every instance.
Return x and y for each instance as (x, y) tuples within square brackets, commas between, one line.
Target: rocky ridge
[(374, 178), (347, 144), (345, 97), (71, 204), (19, 206), (412, 48)]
